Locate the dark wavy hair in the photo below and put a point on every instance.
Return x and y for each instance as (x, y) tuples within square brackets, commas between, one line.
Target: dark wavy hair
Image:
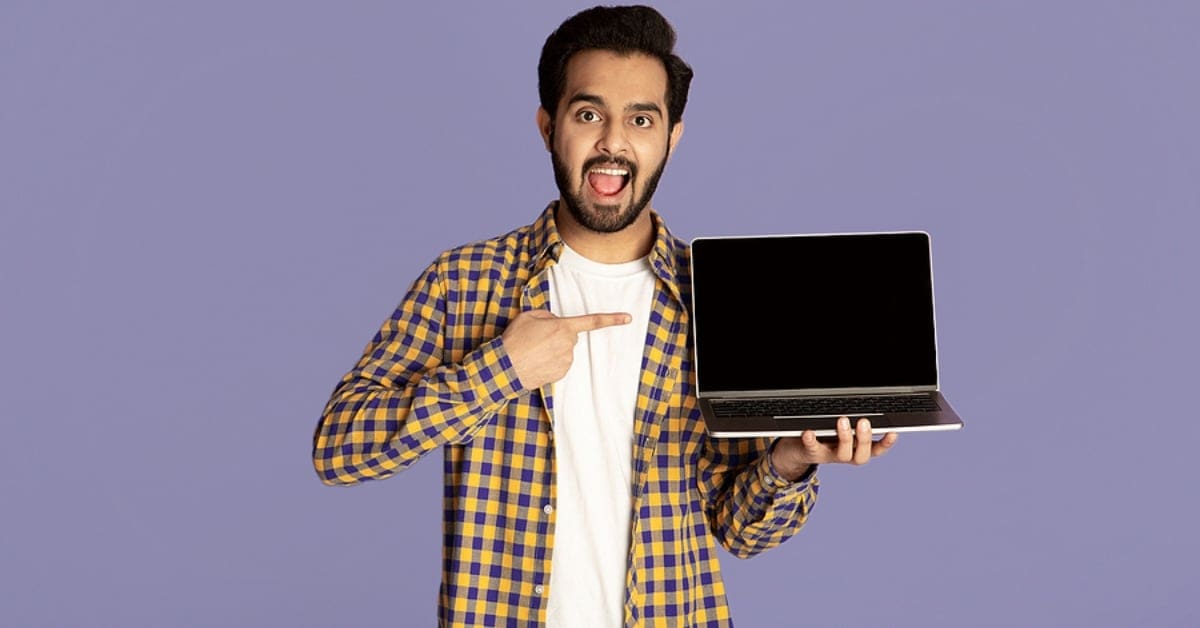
[(624, 30)]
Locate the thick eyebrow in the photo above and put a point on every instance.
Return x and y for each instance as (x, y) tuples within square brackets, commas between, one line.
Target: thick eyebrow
[(587, 98), (647, 107), (599, 102)]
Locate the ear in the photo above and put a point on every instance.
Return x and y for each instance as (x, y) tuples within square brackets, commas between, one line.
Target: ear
[(545, 126), (676, 133)]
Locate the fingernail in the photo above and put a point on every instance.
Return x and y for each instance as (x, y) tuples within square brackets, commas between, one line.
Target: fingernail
[(843, 423)]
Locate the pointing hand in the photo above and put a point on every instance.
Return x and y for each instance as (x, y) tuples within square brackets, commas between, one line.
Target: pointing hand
[(542, 345)]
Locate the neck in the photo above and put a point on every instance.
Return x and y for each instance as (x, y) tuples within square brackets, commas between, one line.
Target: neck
[(632, 242)]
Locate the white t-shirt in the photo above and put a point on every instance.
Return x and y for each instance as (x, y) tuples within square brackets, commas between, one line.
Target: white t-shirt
[(593, 439)]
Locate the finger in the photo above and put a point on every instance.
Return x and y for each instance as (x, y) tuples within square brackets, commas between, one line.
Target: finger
[(812, 447), (862, 437), (882, 446), (588, 322), (819, 448), (845, 444)]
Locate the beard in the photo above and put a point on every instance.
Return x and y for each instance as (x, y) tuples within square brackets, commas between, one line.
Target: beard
[(597, 217)]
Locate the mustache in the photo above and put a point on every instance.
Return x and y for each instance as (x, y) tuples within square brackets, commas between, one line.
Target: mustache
[(617, 161)]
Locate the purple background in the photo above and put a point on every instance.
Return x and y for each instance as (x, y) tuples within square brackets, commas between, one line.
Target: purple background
[(208, 209)]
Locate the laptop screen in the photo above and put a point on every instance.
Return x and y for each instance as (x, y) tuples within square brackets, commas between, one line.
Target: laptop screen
[(822, 311)]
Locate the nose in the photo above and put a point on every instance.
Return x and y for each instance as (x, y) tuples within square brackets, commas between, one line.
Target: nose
[(612, 140)]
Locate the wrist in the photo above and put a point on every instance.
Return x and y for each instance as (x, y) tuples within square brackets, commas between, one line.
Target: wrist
[(787, 467)]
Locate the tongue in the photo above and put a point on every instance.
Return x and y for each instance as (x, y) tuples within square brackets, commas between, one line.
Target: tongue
[(606, 184)]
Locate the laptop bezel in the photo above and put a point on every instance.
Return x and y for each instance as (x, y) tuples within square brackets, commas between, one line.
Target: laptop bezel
[(813, 392)]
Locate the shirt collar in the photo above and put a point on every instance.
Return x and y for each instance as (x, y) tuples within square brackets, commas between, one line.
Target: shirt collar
[(547, 244)]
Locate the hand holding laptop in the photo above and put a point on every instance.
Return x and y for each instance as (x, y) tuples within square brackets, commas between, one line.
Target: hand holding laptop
[(793, 455)]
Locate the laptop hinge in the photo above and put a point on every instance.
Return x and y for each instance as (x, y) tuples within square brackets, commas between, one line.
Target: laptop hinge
[(816, 392)]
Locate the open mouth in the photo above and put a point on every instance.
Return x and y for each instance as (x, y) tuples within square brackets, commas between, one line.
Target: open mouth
[(608, 181)]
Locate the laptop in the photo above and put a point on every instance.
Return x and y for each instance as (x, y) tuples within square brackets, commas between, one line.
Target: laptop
[(793, 331)]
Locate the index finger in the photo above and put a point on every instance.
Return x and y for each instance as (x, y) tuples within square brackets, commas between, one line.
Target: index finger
[(588, 322)]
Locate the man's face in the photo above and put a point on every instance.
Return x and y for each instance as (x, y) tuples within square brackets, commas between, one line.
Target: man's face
[(610, 139)]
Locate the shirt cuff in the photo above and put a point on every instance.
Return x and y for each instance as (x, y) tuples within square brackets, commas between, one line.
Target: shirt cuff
[(491, 371)]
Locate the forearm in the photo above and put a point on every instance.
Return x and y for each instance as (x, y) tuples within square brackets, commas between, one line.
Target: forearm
[(751, 507), (373, 427)]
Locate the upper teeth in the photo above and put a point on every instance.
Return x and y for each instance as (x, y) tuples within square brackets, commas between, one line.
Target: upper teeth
[(616, 172)]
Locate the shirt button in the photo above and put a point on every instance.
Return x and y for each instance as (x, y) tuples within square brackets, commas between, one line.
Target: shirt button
[(547, 509), (539, 589)]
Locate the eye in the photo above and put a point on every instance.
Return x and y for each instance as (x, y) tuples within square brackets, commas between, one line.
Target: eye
[(643, 122), (587, 115)]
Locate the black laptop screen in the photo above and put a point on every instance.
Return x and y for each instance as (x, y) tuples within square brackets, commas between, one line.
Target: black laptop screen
[(795, 312)]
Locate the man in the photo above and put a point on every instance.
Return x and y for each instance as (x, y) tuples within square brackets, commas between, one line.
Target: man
[(552, 365)]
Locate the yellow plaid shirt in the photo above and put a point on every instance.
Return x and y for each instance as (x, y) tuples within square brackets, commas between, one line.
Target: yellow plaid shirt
[(437, 376)]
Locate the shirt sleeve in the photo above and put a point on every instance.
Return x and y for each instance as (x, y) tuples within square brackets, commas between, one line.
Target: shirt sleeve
[(750, 507), (400, 401)]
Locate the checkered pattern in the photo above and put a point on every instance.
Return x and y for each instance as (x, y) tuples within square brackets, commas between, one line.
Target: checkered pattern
[(437, 376)]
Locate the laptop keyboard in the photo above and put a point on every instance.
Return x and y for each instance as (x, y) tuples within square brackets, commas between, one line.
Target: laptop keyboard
[(824, 406)]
